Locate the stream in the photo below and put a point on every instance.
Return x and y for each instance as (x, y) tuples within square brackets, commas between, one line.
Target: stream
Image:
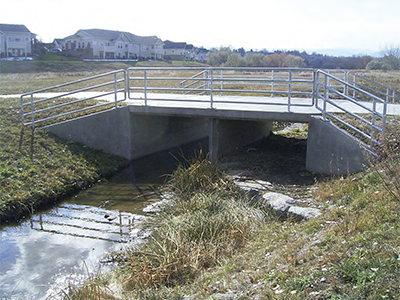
[(42, 255)]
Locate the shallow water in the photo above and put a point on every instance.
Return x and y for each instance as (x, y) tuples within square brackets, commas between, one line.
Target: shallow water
[(39, 257)]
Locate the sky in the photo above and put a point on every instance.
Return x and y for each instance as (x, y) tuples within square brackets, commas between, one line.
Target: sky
[(336, 27)]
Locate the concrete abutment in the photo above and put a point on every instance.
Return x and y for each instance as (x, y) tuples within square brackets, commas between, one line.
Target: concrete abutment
[(332, 150), (133, 135)]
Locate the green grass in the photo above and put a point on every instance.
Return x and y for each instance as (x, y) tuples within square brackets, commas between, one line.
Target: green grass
[(37, 168)]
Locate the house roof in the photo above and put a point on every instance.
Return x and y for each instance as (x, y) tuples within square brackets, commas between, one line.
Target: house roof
[(113, 35), (14, 28), (174, 45)]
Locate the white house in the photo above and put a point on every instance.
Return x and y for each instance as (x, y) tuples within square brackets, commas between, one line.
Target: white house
[(110, 44), (15, 40)]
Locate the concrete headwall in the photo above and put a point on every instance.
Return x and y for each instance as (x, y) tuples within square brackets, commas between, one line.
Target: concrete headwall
[(109, 131), (132, 135), (332, 150)]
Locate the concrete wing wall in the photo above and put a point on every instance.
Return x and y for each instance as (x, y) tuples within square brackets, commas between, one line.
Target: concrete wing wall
[(332, 150)]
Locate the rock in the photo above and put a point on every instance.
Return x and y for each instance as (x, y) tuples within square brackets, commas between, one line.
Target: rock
[(285, 205), (253, 185), (305, 212), (278, 201)]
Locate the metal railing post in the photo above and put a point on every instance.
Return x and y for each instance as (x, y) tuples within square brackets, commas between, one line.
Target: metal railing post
[(115, 90), (222, 82), (289, 89), (325, 97), (314, 76), (212, 88), (32, 113), (346, 78), (126, 83), (145, 86), (272, 83)]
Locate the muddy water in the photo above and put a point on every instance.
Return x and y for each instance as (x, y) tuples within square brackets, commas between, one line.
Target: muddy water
[(41, 256)]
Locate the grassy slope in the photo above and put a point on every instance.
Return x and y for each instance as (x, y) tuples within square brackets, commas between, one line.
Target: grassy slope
[(219, 244), (352, 252), (38, 168)]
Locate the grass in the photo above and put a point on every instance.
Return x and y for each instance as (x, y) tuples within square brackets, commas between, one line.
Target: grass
[(37, 168), (218, 242)]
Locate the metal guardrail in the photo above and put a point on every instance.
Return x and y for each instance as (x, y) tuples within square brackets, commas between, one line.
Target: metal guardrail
[(370, 112), (378, 89), (325, 90), (61, 101), (148, 83)]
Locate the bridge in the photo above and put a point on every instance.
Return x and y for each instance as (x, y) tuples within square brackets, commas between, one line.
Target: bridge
[(139, 111)]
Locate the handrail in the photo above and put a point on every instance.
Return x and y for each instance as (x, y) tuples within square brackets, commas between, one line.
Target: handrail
[(39, 108), (268, 82), (326, 90), (380, 90), (373, 115)]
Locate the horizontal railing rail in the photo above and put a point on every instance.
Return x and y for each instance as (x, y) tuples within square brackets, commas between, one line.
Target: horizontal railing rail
[(370, 113), (369, 85), (56, 103), (148, 83)]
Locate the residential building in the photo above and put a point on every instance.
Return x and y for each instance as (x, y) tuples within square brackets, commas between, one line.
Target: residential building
[(201, 54), (179, 51), (15, 40), (110, 44)]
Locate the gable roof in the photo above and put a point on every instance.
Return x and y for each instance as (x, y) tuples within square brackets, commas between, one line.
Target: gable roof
[(8, 28), (174, 45), (14, 28), (113, 35)]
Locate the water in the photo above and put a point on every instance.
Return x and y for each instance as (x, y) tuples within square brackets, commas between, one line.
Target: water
[(39, 257)]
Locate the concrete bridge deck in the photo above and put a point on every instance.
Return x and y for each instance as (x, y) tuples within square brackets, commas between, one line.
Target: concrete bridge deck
[(245, 107)]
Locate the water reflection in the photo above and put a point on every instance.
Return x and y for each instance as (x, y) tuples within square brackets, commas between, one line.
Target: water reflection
[(60, 246), (42, 255)]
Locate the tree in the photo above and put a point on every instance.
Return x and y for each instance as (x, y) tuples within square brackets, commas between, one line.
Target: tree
[(218, 57), (254, 59), (390, 60), (282, 60), (235, 60), (292, 61)]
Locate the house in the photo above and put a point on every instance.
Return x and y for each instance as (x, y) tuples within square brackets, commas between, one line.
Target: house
[(15, 40), (179, 51), (110, 44), (201, 54)]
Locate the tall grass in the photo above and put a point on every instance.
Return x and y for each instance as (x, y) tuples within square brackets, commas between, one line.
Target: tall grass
[(208, 221)]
